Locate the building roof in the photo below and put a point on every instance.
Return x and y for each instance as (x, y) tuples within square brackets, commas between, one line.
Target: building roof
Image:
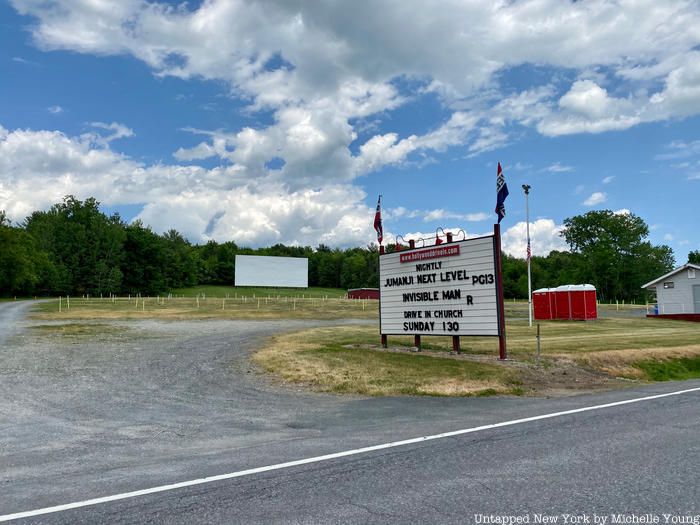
[(672, 272), (568, 288)]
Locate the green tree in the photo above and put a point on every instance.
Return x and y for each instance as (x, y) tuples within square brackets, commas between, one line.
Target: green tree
[(181, 262), (614, 254), (329, 269), (354, 270), (18, 272), (84, 245), (143, 262), (514, 271), (694, 257)]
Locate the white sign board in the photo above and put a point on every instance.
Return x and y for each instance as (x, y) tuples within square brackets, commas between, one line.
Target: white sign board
[(288, 272), (441, 290)]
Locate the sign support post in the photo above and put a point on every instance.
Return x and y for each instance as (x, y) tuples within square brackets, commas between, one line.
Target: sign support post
[(384, 341), (502, 354)]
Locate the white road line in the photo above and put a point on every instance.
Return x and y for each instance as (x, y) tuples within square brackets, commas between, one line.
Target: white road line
[(258, 470)]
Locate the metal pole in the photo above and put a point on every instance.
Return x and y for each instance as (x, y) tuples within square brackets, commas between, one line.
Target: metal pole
[(526, 188), (502, 353), (384, 340)]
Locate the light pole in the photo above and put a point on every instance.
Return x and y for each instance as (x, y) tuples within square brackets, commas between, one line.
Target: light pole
[(526, 189)]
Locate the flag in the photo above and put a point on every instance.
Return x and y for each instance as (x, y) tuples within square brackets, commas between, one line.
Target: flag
[(378, 221), (501, 194), (529, 251)]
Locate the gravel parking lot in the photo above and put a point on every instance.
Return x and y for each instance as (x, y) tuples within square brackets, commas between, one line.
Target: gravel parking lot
[(89, 410), (134, 402)]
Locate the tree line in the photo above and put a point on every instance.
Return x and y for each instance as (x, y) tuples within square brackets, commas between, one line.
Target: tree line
[(75, 249)]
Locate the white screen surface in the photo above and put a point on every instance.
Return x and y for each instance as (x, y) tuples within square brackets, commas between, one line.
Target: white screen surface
[(255, 270)]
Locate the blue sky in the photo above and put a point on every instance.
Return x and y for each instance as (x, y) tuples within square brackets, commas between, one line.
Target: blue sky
[(260, 122)]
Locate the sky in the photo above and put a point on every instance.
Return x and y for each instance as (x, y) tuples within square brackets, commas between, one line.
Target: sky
[(273, 121)]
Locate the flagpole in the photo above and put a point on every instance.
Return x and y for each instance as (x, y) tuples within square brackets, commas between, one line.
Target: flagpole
[(526, 189)]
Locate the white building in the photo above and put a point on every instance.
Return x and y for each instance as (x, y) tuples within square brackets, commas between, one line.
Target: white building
[(677, 292)]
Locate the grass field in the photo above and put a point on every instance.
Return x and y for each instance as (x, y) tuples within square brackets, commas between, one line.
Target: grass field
[(241, 303), (249, 291), (204, 303)]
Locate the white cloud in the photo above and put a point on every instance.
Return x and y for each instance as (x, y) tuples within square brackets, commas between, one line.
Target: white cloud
[(596, 198), (519, 166), (689, 152), (587, 108), (609, 179), (119, 131), (55, 110), (681, 94), (37, 168), (437, 214), (334, 63), (25, 62), (558, 168), (440, 214), (587, 98), (476, 217), (680, 149), (668, 237), (202, 150), (544, 238)]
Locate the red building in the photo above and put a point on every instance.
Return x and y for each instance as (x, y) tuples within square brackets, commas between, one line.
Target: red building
[(363, 293)]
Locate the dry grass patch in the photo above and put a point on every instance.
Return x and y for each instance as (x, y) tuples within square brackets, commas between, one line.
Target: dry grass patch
[(323, 359), (80, 331), (626, 363)]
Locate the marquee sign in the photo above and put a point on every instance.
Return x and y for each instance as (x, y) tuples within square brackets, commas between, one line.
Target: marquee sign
[(441, 290)]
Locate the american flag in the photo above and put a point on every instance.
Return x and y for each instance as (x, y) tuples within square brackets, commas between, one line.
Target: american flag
[(529, 251)]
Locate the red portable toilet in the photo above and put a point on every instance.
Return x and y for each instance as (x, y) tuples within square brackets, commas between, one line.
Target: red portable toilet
[(591, 302), (563, 302), (580, 302), (543, 304), (577, 300), (583, 301)]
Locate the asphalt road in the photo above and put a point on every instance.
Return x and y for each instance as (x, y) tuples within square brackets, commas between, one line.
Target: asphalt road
[(169, 402)]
